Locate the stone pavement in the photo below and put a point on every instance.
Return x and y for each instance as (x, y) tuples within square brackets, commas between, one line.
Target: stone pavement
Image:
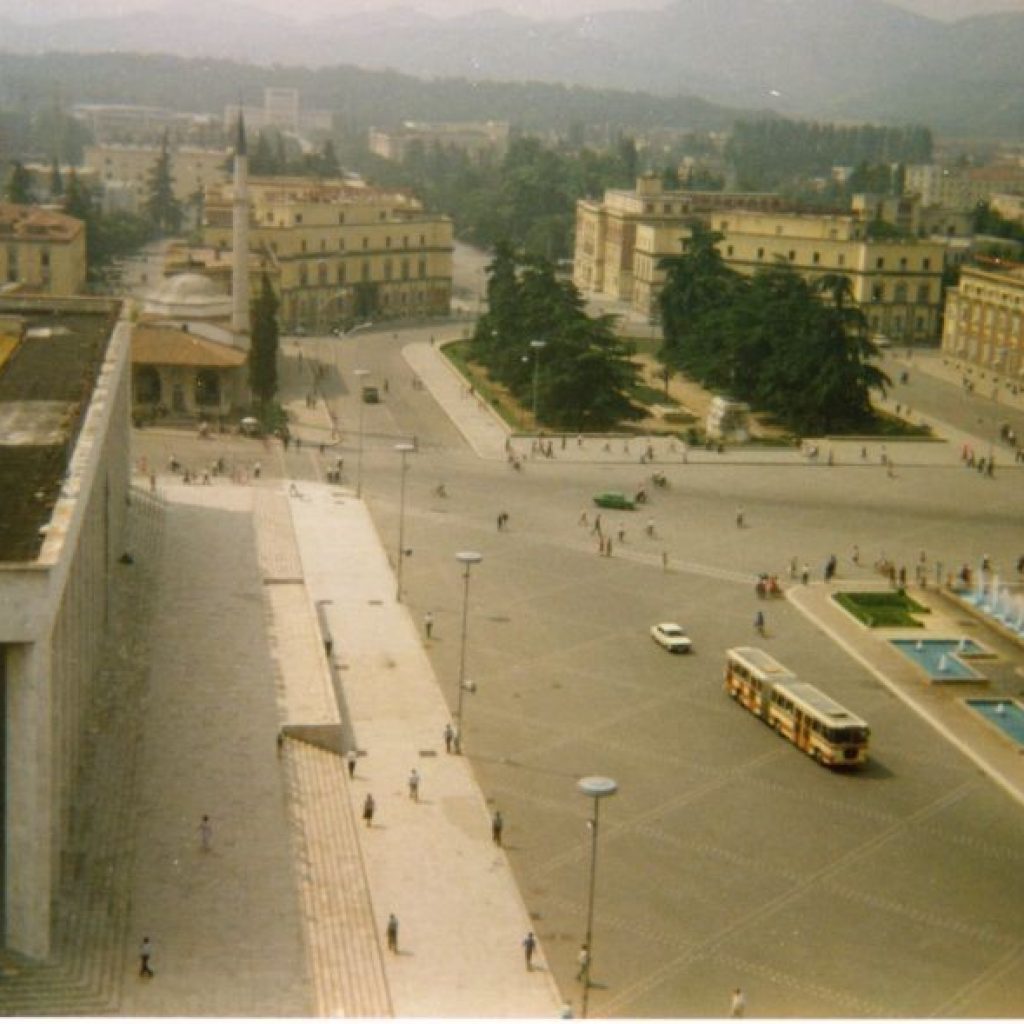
[(941, 705), (285, 915)]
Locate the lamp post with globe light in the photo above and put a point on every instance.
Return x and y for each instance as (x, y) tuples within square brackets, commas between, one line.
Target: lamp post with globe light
[(468, 559), (596, 787)]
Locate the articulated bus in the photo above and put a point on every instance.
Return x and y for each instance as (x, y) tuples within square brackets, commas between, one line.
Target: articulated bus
[(803, 714)]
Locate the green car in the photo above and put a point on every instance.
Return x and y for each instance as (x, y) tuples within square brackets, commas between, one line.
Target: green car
[(614, 499)]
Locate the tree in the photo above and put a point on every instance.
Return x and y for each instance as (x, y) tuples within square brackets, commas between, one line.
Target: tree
[(56, 180), (161, 205), (586, 374), (19, 185), (263, 348), (698, 285)]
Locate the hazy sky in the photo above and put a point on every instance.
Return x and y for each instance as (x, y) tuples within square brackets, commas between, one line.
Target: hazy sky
[(42, 10)]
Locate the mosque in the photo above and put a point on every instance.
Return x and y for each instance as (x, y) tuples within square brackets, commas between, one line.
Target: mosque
[(190, 345)]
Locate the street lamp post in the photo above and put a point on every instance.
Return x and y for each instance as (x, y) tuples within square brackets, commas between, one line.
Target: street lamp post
[(596, 787), (537, 346), (403, 450), (360, 376), (468, 560), (999, 363)]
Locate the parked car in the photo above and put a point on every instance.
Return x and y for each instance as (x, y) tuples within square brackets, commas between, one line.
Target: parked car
[(670, 635), (614, 499)]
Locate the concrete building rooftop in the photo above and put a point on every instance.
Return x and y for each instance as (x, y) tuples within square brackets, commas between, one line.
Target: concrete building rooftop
[(45, 384)]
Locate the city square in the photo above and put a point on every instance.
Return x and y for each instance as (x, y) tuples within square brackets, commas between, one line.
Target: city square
[(726, 857)]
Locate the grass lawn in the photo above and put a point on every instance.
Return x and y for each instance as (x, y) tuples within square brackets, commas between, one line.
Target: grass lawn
[(884, 609)]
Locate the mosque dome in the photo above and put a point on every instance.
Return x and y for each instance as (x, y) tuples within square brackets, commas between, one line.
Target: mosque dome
[(190, 296)]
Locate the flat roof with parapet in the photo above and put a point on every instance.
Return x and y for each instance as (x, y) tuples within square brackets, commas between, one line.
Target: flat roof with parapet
[(48, 369)]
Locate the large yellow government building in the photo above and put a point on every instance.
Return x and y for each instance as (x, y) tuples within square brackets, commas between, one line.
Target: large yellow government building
[(621, 241), (341, 251), (984, 321)]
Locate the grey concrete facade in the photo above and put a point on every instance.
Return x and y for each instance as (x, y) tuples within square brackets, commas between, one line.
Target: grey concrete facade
[(53, 612)]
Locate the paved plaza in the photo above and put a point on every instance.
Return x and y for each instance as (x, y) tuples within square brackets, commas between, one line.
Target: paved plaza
[(726, 858)]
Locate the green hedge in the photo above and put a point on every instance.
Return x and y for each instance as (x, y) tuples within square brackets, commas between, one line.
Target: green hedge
[(882, 609)]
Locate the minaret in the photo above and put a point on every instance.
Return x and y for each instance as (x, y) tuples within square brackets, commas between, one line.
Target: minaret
[(240, 239)]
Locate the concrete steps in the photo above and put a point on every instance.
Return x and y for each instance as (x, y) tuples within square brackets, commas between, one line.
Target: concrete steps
[(342, 938)]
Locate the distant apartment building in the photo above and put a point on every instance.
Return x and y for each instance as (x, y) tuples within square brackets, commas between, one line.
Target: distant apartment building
[(962, 188), (984, 319), (1010, 206), (621, 238), (896, 282), (124, 171), (342, 251), (131, 124), (42, 251), (471, 137), (282, 109)]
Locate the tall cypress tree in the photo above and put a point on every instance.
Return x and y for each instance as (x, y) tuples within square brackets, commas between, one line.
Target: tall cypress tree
[(162, 208), (19, 185), (263, 350)]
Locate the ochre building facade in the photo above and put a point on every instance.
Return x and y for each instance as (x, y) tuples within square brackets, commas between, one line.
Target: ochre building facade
[(343, 252), (984, 321), (42, 252)]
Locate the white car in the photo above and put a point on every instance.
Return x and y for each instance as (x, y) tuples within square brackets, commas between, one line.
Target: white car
[(671, 636)]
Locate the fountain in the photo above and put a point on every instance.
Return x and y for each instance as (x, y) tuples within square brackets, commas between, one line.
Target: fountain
[(1000, 708)]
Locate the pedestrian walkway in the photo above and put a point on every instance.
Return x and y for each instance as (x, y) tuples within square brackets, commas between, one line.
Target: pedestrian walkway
[(483, 430), (941, 705), (431, 862)]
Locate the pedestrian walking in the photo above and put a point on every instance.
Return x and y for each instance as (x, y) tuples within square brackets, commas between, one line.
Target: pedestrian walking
[(497, 824), (392, 933), (145, 952), (350, 759), (855, 555), (738, 1003), (805, 574), (428, 625), (368, 808), (205, 834), (449, 737), (739, 518), (583, 520), (621, 533), (414, 785), (759, 622), (583, 964), (664, 561), (152, 483), (649, 528), (529, 945)]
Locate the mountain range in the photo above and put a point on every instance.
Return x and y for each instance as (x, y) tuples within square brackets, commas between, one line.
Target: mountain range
[(842, 59)]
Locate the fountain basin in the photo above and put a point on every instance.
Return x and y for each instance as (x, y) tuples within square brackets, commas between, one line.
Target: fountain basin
[(1005, 715), (940, 659)]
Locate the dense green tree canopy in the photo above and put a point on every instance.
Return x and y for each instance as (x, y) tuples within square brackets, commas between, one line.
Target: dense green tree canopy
[(18, 188), (789, 347), (583, 371), (767, 152)]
